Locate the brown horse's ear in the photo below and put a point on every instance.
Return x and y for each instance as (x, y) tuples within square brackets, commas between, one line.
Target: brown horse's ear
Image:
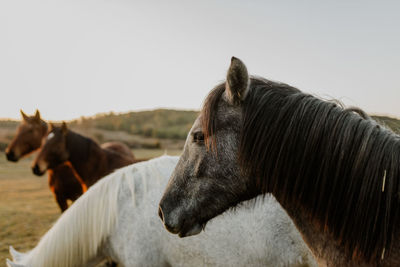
[(24, 116), (51, 127), (237, 82), (64, 128), (37, 115)]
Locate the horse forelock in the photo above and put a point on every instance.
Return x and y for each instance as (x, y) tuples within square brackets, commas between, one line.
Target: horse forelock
[(341, 167), (208, 115)]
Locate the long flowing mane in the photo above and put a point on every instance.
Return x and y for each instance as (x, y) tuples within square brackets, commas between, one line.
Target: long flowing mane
[(92, 217), (341, 166)]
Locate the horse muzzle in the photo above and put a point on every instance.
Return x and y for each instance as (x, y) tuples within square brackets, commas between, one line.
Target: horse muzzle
[(11, 156), (177, 225), (37, 171)]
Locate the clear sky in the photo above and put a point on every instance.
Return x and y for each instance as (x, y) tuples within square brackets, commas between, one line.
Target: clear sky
[(73, 58)]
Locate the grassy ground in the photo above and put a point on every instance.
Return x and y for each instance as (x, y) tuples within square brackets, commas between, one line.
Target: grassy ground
[(27, 207)]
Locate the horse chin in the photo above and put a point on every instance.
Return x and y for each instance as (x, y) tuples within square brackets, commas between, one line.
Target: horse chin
[(11, 157), (194, 230), (41, 174), (37, 171), (185, 230)]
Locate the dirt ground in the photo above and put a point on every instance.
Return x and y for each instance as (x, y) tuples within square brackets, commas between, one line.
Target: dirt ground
[(27, 206)]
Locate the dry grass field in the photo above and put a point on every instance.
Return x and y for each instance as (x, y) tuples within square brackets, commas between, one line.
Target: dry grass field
[(27, 207)]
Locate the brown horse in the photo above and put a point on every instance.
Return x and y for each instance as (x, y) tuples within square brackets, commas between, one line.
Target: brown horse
[(28, 137), (90, 160), (62, 180), (334, 170)]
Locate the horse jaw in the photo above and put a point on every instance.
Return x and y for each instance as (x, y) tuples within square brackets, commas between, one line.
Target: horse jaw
[(196, 229)]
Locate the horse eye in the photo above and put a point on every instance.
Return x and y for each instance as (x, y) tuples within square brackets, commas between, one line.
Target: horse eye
[(198, 137)]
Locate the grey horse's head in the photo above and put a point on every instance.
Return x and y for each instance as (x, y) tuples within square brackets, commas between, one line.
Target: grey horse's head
[(207, 179)]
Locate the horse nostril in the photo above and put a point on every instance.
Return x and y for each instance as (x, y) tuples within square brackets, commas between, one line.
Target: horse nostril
[(160, 213), (171, 223)]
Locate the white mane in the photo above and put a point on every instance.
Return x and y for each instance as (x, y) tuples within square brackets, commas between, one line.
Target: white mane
[(94, 213), (117, 218)]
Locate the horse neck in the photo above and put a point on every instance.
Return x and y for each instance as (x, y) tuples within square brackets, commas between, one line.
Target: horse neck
[(88, 159), (326, 252), (115, 159), (325, 249)]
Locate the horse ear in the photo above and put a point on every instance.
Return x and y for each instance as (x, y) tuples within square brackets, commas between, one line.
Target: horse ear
[(51, 127), (237, 82), (64, 128), (37, 115), (24, 116)]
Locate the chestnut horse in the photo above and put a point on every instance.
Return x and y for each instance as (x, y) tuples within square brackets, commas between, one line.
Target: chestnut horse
[(63, 180), (336, 173), (90, 160)]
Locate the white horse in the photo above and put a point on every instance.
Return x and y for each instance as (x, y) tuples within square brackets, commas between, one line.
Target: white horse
[(117, 218)]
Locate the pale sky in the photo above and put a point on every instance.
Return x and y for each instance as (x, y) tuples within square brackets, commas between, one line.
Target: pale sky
[(74, 58)]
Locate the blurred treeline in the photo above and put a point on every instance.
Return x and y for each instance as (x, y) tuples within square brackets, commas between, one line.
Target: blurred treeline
[(161, 128), (389, 122), (160, 123)]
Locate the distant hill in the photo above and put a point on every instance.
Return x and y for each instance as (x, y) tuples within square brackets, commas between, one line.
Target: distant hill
[(161, 128), (160, 123), (392, 123)]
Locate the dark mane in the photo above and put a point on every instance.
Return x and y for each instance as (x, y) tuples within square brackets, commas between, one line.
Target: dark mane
[(80, 145), (343, 168)]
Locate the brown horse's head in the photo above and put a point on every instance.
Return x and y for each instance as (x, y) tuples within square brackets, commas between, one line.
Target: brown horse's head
[(53, 151), (28, 137), (207, 179)]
